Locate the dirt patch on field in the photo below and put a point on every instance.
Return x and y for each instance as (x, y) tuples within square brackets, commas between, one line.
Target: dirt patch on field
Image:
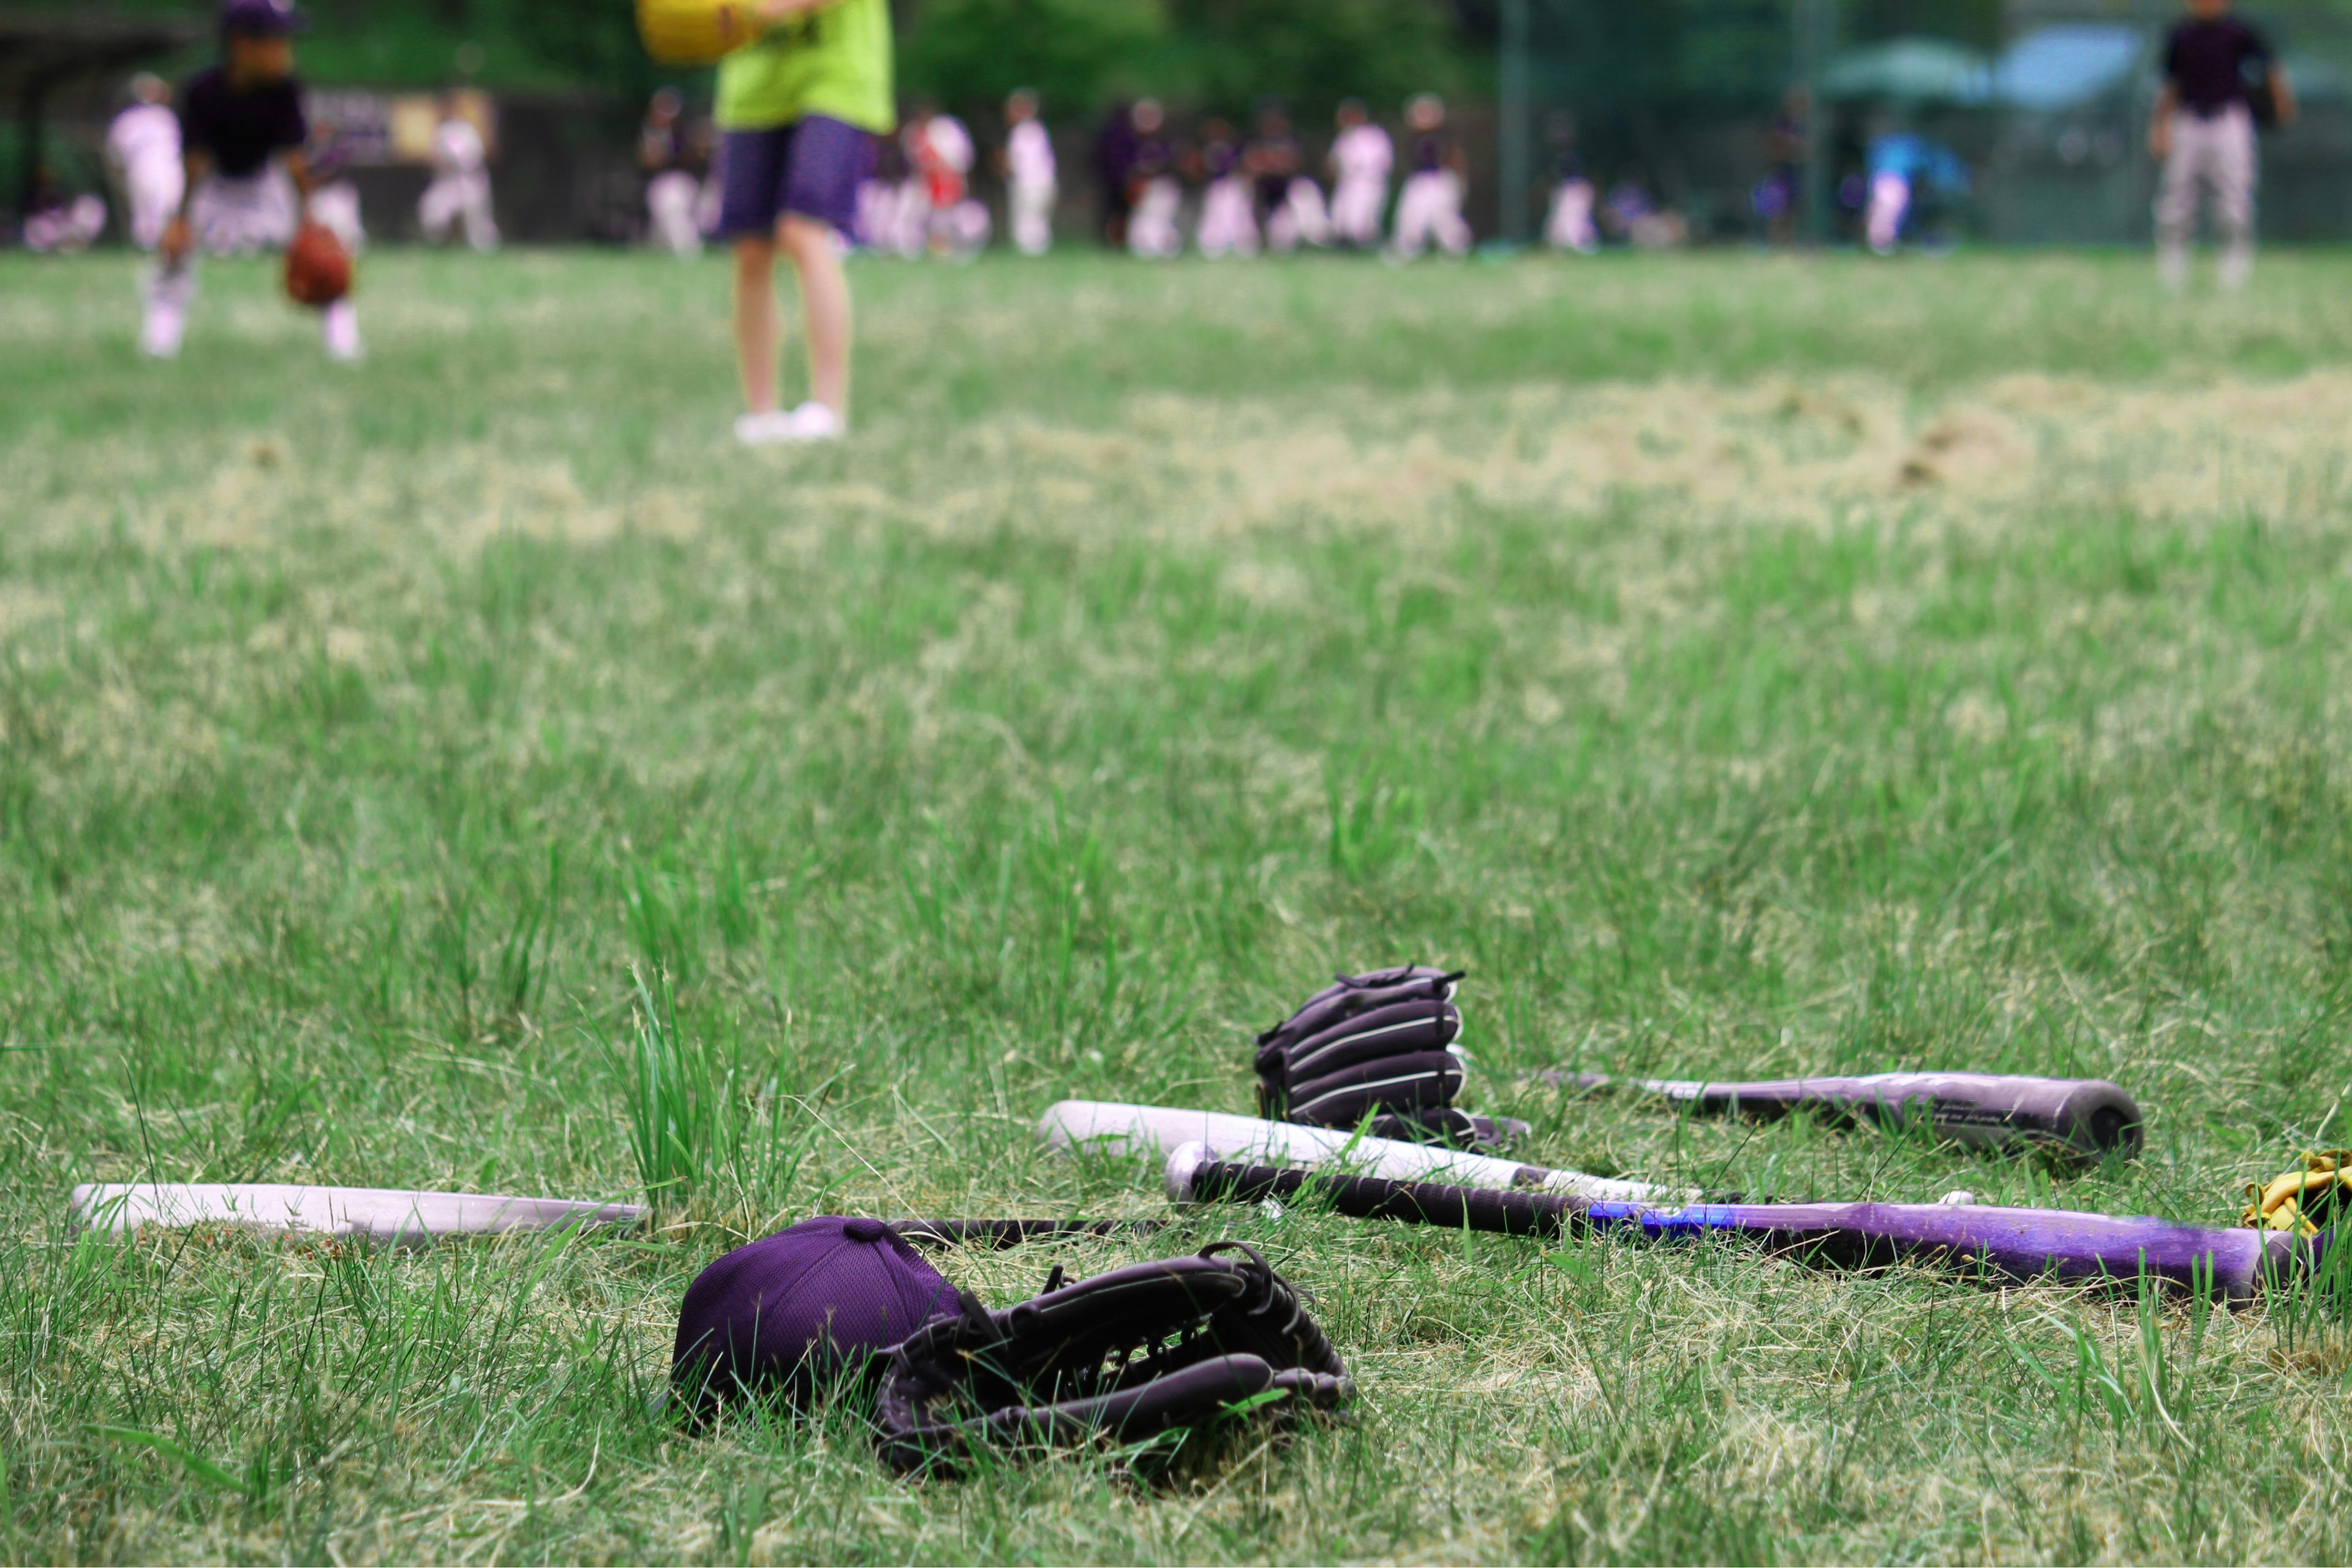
[(1775, 451), (1820, 452)]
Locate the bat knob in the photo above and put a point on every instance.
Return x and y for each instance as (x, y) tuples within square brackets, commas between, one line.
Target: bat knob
[(1184, 1163), (2110, 1129)]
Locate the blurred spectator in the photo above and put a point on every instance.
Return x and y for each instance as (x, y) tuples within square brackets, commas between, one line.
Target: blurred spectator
[(1290, 201), (1115, 146), (1228, 215), (942, 152), (893, 210), (1429, 208), (1028, 160), (1152, 192), (2217, 72), (1361, 157), (1567, 222), (1903, 167), (459, 193), (54, 221), (1641, 221), (666, 153), (143, 146), (1775, 197)]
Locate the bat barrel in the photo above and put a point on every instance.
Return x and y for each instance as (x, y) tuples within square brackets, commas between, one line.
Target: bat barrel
[(2089, 1118), (2022, 1245), (1150, 1132)]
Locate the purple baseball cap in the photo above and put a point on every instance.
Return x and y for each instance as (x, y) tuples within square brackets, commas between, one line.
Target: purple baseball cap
[(262, 18), (805, 1305)]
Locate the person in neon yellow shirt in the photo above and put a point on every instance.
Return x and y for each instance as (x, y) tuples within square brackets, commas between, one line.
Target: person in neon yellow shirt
[(798, 111)]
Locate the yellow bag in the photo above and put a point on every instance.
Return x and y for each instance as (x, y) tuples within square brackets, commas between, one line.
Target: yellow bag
[(2300, 1201), (696, 32)]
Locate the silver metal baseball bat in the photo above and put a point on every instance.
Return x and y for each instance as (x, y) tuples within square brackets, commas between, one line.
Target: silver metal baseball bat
[(1149, 1131)]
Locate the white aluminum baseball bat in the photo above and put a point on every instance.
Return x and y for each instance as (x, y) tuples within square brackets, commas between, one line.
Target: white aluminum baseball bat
[(372, 1215), (1151, 1132)]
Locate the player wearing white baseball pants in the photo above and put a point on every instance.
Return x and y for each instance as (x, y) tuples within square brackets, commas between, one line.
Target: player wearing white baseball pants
[(1356, 210), (460, 191), (1301, 219), (1890, 199), (671, 197), (1429, 208), (1029, 184), (459, 200), (145, 142), (234, 217), (1568, 225), (1228, 220), (2212, 153), (1032, 202), (1151, 230)]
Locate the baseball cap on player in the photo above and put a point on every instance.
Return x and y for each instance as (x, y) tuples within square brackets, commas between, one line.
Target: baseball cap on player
[(262, 18), (808, 1304)]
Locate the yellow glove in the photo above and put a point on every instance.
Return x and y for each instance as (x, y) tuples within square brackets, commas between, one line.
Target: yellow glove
[(2300, 1201), (696, 32)]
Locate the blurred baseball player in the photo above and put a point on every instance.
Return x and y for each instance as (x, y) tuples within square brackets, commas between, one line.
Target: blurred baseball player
[(1028, 175), (1289, 198), (1228, 207), (2203, 133), (798, 113), (1430, 205), (942, 152), (143, 144), (1567, 221), (1361, 157), (241, 139), (1153, 193), (664, 151), (459, 195), (334, 199)]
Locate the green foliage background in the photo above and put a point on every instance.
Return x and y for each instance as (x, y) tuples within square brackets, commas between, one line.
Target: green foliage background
[(1079, 54)]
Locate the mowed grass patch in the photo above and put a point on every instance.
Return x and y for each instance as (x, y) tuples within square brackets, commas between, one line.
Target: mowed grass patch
[(1742, 666)]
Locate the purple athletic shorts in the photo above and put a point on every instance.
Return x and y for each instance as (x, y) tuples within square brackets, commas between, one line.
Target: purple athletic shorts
[(810, 168)]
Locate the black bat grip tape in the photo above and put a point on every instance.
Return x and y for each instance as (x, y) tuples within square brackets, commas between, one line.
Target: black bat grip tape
[(1501, 1211)]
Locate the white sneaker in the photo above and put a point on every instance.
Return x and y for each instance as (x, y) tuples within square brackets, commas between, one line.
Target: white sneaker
[(813, 421), (159, 335), (338, 329), (810, 422)]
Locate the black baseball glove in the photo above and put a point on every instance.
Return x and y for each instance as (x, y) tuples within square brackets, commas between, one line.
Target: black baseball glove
[(1124, 1356), (1377, 1044)]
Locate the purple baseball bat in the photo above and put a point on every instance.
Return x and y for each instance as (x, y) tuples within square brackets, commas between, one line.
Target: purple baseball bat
[(2087, 1117), (2228, 1265)]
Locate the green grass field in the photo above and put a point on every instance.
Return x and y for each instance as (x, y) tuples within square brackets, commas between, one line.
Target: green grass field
[(1742, 666)]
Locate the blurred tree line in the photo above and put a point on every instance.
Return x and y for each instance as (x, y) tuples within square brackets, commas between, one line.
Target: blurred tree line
[(1079, 55)]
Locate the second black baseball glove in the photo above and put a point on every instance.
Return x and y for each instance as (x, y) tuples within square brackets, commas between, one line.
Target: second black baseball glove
[(1377, 1046), (1123, 1356)]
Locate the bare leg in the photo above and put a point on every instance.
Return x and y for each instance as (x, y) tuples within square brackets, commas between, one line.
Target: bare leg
[(755, 323), (824, 308)]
